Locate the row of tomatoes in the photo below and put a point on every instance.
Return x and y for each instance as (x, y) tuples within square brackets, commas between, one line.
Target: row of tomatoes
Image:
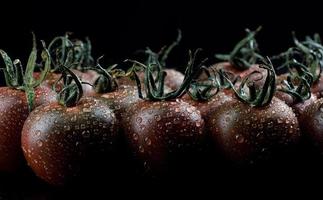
[(74, 122)]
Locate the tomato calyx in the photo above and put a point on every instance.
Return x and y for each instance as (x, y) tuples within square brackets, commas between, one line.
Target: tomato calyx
[(72, 91), (16, 77), (245, 53), (312, 53), (298, 82), (204, 90), (73, 53), (247, 91), (107, 79), (154, 78)]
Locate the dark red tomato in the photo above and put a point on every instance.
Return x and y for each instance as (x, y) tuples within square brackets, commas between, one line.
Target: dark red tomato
[(13, 112), (210, 106), (248, 134), (122, 99), (50, 79), (58, 140), (174, 78), (298, 107), (312, 123), (317, 87), (159, 132)]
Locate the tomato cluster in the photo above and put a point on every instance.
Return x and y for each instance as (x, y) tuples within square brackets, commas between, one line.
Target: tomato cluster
[(68, 112)]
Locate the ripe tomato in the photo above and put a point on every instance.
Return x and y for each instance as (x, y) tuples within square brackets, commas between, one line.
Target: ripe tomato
[(21, 95), (62, 137)]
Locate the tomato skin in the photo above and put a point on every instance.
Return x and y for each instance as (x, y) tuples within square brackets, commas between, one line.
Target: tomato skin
[(312, 124), (158, 132), (247, 134), (174, 78), (210, 106), (57, 140), (88, 77), (298, 108), (227, 66), (122, 99), (317, 87), (14, 111)]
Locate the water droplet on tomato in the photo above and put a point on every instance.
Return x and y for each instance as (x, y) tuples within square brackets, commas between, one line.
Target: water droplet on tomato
[(321, 108), (74, 118), (135, 136), (198, 124), (38, 132), (189, 109), (86, 109), (83, 126), (86, 134), (141, 149), (67, 127), (148, 141), (39, 143), (240, 139), (139, 120)]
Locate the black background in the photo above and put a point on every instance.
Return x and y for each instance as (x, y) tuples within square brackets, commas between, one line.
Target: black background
[(119, 28)]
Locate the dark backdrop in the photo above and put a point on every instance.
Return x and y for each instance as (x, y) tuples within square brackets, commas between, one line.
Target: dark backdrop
[(118, 28)]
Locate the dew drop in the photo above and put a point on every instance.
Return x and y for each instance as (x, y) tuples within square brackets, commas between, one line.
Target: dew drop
[(74, 118), (86, 134), (189, 109), (157, 118), (321, 108), (198, 124), (141, 149), (135, 136), (39, 143), (86, 109), (83, 126), (177, 110), (139, 120), (67, 127), (148, 141), (38, 132), (239, 138)]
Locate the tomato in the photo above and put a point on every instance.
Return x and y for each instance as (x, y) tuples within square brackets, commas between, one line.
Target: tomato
[(21, 95), (157, 132), (14, 112), (311, 124), (56, 140), (211, 105), (254, 127), (60, 138), (161, 131)]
